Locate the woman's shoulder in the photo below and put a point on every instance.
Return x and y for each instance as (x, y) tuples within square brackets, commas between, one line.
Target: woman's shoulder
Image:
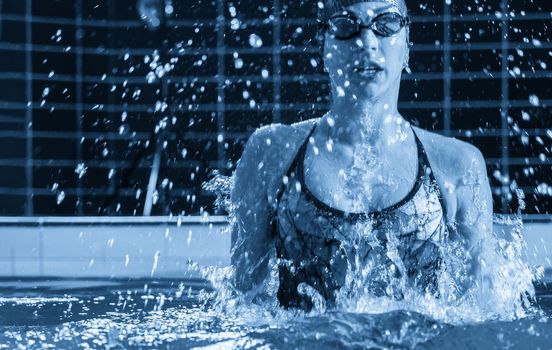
[(280, 134), (270, 150), (455, 164), (274, 140), (452, 157)]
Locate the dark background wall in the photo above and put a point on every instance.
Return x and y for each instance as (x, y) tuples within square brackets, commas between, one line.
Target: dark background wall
[(89, 94)]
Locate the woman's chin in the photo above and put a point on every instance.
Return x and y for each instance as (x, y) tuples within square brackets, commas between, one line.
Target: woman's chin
[(360, 88), (368, 91)]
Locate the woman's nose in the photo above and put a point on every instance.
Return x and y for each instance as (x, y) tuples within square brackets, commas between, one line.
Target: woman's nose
[(368, 40)]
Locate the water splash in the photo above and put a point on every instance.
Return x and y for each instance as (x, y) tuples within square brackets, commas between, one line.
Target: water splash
[(504, 293), (503, 290), (221, 186)]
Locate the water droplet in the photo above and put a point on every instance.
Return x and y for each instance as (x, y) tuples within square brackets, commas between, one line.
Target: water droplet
[(150, 77), (60, 197), (264, 73), (155, 262), (235, 24), (238, 63), (255, 40), (80, 170), (524, 139), (525, 116), (534, 100)]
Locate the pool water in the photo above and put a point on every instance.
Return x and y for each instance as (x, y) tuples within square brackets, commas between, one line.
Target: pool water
[(175, 314)]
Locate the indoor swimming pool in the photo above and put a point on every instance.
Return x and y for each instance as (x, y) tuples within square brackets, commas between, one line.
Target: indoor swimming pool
[(275, 174), (116, 293)]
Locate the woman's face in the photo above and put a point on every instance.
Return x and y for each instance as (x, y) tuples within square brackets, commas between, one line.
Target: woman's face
[(367, 65)]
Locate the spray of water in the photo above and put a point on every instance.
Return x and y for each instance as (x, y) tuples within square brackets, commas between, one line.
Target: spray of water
[(503, 290)]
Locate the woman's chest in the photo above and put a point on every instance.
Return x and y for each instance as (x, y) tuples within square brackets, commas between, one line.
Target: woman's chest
[(360, 186), (418, 218)]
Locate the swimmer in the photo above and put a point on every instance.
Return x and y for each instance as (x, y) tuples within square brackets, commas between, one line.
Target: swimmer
[(326, 195)]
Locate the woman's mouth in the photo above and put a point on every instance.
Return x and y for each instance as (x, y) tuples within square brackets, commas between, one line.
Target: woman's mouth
[(369, 72)]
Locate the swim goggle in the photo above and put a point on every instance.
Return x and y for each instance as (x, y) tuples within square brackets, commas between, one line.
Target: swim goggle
[(346, 25)]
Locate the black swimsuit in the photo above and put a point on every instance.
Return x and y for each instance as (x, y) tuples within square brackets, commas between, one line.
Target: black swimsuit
[(318, 245)]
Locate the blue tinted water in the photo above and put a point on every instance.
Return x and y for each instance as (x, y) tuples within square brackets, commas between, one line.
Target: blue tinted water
[(174, 314)]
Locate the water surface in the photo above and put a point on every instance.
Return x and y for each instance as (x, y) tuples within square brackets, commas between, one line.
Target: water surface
[(177, 314)]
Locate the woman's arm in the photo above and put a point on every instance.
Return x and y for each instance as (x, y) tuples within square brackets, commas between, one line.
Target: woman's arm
[(265, 160), (251, 236), (474, 215)]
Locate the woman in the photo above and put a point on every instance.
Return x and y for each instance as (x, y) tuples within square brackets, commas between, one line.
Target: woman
[(359, 189)]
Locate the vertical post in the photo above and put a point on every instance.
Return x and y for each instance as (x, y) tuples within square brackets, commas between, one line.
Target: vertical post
[(163, 120), (276, 59), (29, 210), (78, 98), (504, 102), (154, 174), (447, 68), (221, 27)]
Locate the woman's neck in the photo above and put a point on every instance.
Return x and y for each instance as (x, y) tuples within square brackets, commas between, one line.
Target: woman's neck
[(374, 122)]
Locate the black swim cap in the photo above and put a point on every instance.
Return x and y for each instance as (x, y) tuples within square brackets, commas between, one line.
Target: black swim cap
[(327, 8)]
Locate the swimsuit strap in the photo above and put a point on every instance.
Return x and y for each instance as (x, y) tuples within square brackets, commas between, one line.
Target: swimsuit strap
[(298, 165), (427, 165), (293, 164), (421, 172), (423, 161)]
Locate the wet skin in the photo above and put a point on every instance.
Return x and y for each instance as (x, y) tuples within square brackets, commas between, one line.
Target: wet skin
[(365, 114), (346, 60)]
